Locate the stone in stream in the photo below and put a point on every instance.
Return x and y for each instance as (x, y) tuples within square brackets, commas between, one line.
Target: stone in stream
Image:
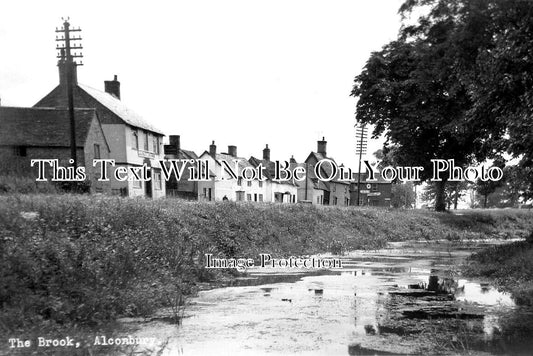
[(440, 313)]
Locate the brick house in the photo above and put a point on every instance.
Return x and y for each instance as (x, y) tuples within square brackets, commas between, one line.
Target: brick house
[(277, 192), (376, 193), (321, 192), (44, 133), (132, 140), (187, 188)]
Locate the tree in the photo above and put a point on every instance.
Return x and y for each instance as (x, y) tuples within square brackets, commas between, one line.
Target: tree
[(408, 91), (453, 192), (403, 195), (457, 84), (494, 60)]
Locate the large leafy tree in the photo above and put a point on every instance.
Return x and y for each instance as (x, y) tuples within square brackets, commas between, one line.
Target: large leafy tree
[(456, 84)]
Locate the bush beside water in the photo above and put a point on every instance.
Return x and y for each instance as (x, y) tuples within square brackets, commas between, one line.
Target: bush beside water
[(85, 260)]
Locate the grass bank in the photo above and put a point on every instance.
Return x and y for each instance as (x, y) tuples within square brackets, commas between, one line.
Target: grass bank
[(510, 266), (79, 260)]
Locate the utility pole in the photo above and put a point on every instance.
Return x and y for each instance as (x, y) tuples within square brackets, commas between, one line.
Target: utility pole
[(67, 58), (361, 135)]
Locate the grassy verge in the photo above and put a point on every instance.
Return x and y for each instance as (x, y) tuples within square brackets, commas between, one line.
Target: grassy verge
[(79, 260), (511, 266)]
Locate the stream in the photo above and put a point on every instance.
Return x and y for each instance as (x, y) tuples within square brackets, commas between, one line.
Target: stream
[(405, 299)]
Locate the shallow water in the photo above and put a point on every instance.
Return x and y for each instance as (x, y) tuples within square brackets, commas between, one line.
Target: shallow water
[(407, 299)]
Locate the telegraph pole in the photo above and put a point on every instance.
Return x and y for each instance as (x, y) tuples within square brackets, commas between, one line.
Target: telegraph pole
[(361, 133), (67, 58)]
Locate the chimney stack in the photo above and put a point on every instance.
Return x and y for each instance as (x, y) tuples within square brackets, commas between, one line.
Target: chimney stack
[(174, 141), (292, 160), (322, 146), (266, 153), (62, 66), (213, 150), (232, 151), (113, 87)]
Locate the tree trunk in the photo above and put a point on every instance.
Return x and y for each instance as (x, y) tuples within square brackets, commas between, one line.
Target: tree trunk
[(456, 198), (440, 197), (486, 197)]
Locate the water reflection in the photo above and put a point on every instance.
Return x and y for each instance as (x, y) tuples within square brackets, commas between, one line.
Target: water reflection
[(378, 305)]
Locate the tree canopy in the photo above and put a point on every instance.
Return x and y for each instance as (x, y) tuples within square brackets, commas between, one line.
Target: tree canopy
[(456, 84)]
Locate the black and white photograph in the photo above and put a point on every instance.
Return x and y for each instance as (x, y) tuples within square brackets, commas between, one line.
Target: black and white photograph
[(251, 177)]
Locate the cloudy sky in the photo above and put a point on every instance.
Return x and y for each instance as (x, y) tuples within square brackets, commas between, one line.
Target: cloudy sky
[(244, 73)]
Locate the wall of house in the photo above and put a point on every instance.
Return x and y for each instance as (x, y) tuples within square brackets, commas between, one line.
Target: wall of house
[(284, 188), (339, 194), (13, 163), (379, 194), (225, 186), (121, 141), (96, 136), (314, 196)]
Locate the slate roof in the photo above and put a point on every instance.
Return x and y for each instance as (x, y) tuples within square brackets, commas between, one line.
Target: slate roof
[(270, 168), (82, 99), (170, 153), (326, 168), (118, 108), (43, 127)]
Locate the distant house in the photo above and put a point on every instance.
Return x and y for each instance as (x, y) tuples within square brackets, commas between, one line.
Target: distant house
[(276, 191), (227, 188), (376, 193), (319, 191), (132, 140), (187, 187), (44, 133)]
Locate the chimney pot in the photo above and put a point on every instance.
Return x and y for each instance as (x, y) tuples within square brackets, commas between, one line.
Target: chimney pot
[(321, 146), (213, 149), (266, 153)]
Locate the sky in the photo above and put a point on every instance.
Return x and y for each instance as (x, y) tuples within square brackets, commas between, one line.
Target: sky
[(245, 73)]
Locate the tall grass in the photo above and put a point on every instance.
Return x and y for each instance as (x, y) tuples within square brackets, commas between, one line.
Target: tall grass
[(85, 260)]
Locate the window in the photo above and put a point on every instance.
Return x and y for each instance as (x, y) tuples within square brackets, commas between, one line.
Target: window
[(318, 200), (96, 151), (146, 141), (374, 187), (239, 181), (240, 196), (255, 197), (137, 184), (260, 184), (249, 197), (157, 180), (335, 200), (249, 183), (156, 145), (135, 140), (260, 197)]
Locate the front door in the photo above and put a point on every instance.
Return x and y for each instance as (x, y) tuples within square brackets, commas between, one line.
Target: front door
[(148, 184)]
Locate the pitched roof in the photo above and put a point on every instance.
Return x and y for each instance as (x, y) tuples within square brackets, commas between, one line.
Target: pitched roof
[(43, 127), (171, 150), (88, 97), (326, 168), (270, 168), (118, 108)]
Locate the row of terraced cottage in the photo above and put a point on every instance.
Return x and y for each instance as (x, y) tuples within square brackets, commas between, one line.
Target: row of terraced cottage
[(106, 128)]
